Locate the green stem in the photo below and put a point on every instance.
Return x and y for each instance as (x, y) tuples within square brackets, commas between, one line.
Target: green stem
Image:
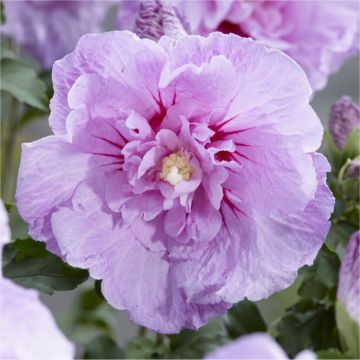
[(7, 184), (141, 331), (159, 339)]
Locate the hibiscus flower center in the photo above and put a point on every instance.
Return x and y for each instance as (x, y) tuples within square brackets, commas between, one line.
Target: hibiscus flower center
[(175, 168)]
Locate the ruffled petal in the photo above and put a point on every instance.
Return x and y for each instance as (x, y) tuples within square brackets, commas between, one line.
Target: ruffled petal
[(110, 56), (94, 230), (265, 266), (197, 86), (49, 172)]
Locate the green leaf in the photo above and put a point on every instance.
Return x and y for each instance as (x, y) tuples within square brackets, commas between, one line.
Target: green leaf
[(244, 318), (320, 280), (350, 187), (307, 325), (29, 264), (97, 289), (195, 344), (333, 153), (9, 207), (340, 208), (334, 185), (149, 346), (330, 354), (349, 331), (353, 214), (2, 13), (6, 52), (310, 323), (338, 157), (339, 235), (352, 147), (103, 347), (89, 317), (21, 81)]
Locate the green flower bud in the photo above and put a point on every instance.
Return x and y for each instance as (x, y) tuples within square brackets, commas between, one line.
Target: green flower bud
[(349, 179)]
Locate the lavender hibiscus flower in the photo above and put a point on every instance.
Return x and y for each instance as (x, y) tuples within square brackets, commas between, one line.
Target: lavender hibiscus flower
[(28, 330), (319, 35), (49, 29), (175, 176), (256, 346)]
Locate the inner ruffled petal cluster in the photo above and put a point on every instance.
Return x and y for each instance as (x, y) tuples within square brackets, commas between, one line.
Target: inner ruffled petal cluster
[(167, 170)]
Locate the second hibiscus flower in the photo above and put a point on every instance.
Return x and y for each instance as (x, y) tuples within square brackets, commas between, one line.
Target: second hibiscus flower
[(319, 35)]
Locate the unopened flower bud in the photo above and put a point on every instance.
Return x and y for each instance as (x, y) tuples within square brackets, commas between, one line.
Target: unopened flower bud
[(156, 18), (353, 170), (349, 179), (344, 117)]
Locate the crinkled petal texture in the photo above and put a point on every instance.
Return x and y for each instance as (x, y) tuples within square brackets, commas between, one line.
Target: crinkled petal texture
[(320, 35), (349, 278), (49, 29), (28, 329), (255, 346), (183, 174)]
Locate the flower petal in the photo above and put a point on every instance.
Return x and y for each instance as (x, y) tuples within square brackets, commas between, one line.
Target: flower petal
[(49, 172)]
